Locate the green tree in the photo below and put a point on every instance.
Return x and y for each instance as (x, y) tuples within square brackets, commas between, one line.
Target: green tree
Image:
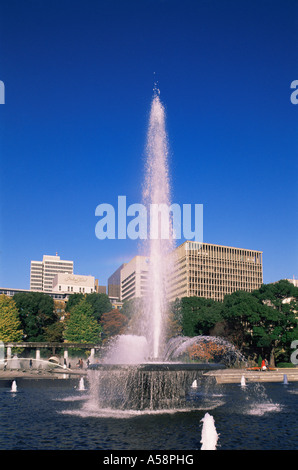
[(134, 311), (73, 299), (174, 324), (10, 325), (278, 295), (36, 311), (279, 327), (263, 322), (54, 332), (199, 315), (132, 307), (81, 326), (100, 304), (241, 311)]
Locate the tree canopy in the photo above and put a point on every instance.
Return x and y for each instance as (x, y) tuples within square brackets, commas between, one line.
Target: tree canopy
[(264, 321), (113, 323), (10, 325), (81, 326), (199, 315), (36, 313), (100, 303)]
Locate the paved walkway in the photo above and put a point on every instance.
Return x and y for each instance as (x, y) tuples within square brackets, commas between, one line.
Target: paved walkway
[(41, 374), (235, 375)]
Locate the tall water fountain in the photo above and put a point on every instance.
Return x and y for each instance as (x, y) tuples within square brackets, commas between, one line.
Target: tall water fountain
[(139, 371), (160, 243)]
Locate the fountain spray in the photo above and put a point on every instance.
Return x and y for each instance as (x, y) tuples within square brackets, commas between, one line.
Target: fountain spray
[(156, 194), (209, 433)]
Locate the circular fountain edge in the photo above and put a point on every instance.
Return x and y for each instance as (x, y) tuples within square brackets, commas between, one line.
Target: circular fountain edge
[(162, 366)]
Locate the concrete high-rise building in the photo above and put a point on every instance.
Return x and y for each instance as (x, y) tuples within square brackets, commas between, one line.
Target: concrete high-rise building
[(133, 278), (200, 269), (43, 272), (212, 271), (114, 282)]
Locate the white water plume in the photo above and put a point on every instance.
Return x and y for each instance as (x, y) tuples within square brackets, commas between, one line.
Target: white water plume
[(157, 194), (209, 433)]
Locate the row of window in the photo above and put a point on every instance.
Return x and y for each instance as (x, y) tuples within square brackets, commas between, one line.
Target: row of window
[(70, 289)]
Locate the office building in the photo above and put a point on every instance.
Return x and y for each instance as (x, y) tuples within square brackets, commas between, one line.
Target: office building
[(200, 269), (133, 278), (212, 271), (43, 272), (114, 282)]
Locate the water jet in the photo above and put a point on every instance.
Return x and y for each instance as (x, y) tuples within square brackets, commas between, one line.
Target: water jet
[(243, 381), (14, 387), (209, 433), (81, 384), (143, 371)]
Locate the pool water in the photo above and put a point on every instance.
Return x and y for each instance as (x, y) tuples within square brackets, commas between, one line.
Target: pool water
[(56, 415)]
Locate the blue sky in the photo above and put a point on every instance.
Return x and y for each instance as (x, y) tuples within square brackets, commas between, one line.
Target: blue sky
[(79, 78)]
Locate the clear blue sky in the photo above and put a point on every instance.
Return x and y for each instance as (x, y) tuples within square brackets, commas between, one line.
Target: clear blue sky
[(78, 79)]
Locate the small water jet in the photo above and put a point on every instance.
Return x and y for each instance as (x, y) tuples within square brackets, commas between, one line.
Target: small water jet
[(81, 384), (285, 379), (209, 433), (14, 387), (243, 381)]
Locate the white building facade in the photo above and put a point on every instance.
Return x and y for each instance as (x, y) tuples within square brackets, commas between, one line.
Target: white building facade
[(43, 272), (133, 278), (73, 283)]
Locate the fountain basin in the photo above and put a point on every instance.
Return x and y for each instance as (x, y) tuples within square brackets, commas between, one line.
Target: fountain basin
[(149, 386)]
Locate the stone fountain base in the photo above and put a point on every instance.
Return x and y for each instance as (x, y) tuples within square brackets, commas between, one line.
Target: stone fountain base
[(149, 386)]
